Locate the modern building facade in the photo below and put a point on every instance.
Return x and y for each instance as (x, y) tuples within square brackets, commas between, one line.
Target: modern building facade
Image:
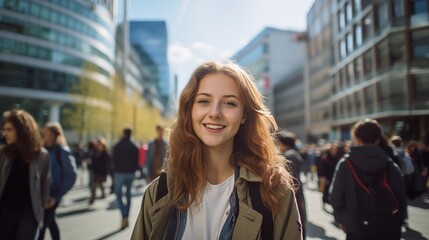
[(289, 103), (270, 57), (45, 47), (150, 40), (318, 80), (380, 69)]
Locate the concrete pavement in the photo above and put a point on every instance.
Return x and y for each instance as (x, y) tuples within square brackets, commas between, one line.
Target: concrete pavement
[(101, 220)]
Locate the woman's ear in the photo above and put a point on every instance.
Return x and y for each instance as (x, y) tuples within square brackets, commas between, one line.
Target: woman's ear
[(243, 119)]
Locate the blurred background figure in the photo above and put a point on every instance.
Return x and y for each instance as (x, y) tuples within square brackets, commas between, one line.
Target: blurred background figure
[(286, 145), (143, 148), (79, 153), (330, 157), (63, 171), (156, 154), (88, 158), (100, 168), (125, 161), (24, 177)]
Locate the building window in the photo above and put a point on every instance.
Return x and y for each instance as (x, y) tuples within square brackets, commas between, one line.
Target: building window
[(367, 67), (382, 16), (341, 20), (421, 87), (349, 74), (349, 37), (420, 47), (367, 27), (357, 68), (358, 103), (369, 99), (343, 52), (357, 6), (397, 12), (397, 51), (349, 12), (350, 112), (382, 56), (392, 94), (358, 35), (419, 7)]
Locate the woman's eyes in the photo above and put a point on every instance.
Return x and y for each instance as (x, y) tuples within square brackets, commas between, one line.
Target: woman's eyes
[(227, 103), (202, 101), (233, 104)]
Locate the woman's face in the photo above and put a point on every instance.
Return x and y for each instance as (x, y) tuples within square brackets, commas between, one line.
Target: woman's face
[(217, 111), (9, 133)]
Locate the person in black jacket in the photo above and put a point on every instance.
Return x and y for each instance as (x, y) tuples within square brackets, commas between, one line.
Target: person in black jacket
[(287, 146), (368, 163), (125, 161)]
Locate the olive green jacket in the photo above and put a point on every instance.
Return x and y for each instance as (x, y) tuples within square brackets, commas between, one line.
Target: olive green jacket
[(40, 181), (153, 217)]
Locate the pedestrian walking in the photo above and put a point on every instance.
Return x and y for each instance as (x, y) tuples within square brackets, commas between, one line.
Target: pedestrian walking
[(100, 168), (125, 161), (368, 193), (224, 177), (63, 171), (24, 177), (156, 154), (286, 144)]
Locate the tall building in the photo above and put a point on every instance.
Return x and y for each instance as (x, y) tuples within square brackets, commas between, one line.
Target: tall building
[(270, 57), (150, 40), (380, 68), (47, 46), (320, 60)]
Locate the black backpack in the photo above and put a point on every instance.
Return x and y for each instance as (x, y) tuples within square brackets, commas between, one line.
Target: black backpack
[(378, 207), (267, 220)]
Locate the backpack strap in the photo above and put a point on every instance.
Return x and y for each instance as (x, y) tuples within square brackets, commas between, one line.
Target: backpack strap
[(384, 183), (162, 189), (356, 177), (255, 195), (387, 186), (257, 204)]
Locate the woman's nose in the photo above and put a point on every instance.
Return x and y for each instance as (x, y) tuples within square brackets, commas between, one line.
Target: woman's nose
[(215, 111)]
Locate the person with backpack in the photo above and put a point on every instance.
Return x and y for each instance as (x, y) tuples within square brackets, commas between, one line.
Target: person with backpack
[(225, 178), (368, 192), (63, 171)]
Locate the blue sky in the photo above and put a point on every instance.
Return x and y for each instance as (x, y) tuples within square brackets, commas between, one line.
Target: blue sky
[(202, 30)]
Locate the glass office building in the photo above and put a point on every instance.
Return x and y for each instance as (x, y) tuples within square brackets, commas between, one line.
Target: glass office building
[(150, 40), (45, 47)]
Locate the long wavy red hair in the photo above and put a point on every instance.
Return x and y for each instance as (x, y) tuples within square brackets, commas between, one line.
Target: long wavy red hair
[(254, 145)]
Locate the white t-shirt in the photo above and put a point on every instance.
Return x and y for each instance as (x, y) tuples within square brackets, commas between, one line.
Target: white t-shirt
[(205, 221)]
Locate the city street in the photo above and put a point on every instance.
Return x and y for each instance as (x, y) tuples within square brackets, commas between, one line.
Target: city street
[(101, 220)]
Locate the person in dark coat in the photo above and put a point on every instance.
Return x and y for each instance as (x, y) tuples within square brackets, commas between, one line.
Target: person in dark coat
[(328, 161), (100, 168), (125, 161), (370, 162), (286, 145)]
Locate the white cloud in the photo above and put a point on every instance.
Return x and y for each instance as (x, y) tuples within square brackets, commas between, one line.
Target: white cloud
[(177, 53), (226, 54), (203, 47)]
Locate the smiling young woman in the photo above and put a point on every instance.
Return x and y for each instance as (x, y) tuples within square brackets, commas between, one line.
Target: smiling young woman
[(221, 143)]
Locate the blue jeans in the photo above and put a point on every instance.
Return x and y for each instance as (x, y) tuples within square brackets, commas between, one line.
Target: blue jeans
[(123, 179)]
